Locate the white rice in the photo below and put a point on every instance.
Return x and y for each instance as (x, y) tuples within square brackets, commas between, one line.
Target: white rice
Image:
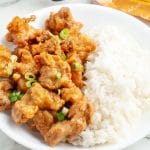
[(118, 84)]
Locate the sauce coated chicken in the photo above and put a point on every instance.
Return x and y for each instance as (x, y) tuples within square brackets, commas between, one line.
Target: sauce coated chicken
[(45, 76)]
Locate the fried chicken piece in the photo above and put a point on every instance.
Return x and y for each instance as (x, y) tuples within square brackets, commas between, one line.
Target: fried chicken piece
[(36, 97), (62, 19), (5, 55), (66, 129), (83, 46), (21, 85), (78, 114), (57, 133), (77, 49), (67, 46), (5, 87), (48, 78), (76, 68), (45, 99), (84, 107), (54, 73), (43, 120), (77, 78), (51, 46), (22, 34), (72, 94), (26, 63), (23, 110), (80, 44), (45, 59)]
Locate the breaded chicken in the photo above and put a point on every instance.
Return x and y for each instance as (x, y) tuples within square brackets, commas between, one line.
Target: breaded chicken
[(5, 88), (54, 73), (80, 44), (72, 94), (62, 19), (45, 99), (34, 99), (26, 63), (79, 117), (5, 60), (43, 121), (51, 46), (22, 34)]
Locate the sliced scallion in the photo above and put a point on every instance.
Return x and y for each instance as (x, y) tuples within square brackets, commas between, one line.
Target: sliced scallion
[(15, 95), (30, 76), (13, 58), (64, 34), (60, 116), (9, 68), (76, 66), (58, 75), (65, 110), (63, 57), (58, 91)]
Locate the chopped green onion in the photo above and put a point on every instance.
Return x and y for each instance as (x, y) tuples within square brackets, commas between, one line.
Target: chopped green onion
[(76, 66), (65, 110), (63, 57), (60, 116), (58, 75), (64, 34), (29, 83), (9, 68), (15, 95), (58, 91), (30, 76), (20, 95), (13, 98), (58, 38), (13, 58)]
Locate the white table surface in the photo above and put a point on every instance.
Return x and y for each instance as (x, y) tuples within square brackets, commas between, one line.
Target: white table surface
[(22, 8)]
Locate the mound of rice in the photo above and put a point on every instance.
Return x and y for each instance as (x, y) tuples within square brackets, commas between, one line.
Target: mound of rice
[(118, 84)]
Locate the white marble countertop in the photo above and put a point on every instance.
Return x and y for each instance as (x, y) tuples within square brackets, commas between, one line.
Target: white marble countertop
[(22, 8)]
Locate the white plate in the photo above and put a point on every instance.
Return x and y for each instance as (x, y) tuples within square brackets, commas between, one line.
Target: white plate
[(90, 15)]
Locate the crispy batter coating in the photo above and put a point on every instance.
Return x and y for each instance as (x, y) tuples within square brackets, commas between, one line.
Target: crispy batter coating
[(4, 61), (63, 19), (45, 99), (43, 120), (51, 46), (80, 44), (77, 72), (73, 94), (50, 66), (22, 34), (21, 85), (35, 98), (26, 63), (5, 88), (23, 110), (79, 115)]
